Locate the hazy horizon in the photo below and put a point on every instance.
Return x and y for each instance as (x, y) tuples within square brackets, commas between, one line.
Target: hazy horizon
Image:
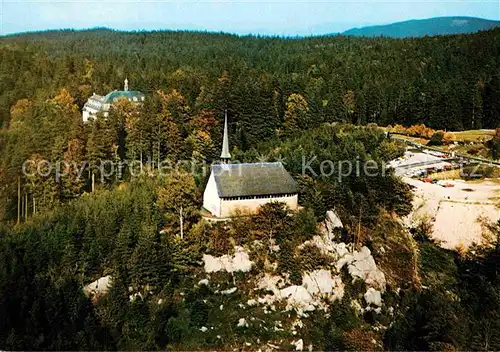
[(287, 18)]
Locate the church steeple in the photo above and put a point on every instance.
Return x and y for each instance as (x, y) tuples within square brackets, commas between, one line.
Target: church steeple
[(125, 86), (225, 155)]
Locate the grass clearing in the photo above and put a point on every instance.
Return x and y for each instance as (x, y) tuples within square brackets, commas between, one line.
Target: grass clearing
[(446, 175), (474, 135)]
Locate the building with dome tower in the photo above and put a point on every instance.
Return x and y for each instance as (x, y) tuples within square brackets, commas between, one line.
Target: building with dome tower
[(102, 104)]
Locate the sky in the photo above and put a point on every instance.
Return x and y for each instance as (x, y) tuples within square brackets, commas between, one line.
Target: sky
[(267, 17)]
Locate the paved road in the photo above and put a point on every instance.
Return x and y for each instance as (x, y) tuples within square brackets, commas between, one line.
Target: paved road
[(428, 162)]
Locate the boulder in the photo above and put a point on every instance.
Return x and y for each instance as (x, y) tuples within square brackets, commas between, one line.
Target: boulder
[(242, 323), (99, 287), (299, 345), (332, 222), (320, 282), (240, 261), (229, 291), (203, 282), (372, 296), (362, 265)]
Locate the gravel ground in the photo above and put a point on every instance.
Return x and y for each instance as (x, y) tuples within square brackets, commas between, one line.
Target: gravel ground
[(455, 212)]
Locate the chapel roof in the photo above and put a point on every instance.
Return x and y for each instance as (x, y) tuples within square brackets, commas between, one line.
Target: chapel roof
[(236, 180)]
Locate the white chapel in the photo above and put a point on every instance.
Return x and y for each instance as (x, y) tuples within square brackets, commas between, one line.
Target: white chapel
[(246, 187)]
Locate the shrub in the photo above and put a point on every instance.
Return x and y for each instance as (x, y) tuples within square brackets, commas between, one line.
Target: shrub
[(288, 263), (449, 138), (177, 329), (399, 129), (437, 138), (311, 258), (494, 145), (389, 150), (359, 340)]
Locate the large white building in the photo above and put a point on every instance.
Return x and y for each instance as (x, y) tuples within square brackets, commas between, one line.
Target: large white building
[(101, 104), (244, 188)]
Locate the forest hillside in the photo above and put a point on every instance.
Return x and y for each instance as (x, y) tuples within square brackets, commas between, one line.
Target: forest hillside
[(426, 27), (110, 270), (448, 82)]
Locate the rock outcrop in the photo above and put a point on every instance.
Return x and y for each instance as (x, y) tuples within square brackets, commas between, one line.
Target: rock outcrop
[(240, 261), (98, 288)]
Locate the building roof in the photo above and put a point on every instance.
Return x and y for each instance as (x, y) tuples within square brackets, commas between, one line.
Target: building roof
[(236, 180), (117, 94)]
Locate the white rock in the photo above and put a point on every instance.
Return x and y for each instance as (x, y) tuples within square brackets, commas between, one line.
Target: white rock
[(332, 221), (100, 286), (299, 345), (341, 249), (373, 296), (160, 301), (242, 323), (229, 291), (363, 266), (320, 282), (251, 302), (240, 261), (221, 307), (273, 247), (327, 246), (133, 297), (212, 264), (203, 282), (203, 329), (269, 283), (317, 285), (297, 296)]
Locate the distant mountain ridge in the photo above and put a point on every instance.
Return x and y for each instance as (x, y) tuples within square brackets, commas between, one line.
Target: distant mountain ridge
[(420, 28)]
